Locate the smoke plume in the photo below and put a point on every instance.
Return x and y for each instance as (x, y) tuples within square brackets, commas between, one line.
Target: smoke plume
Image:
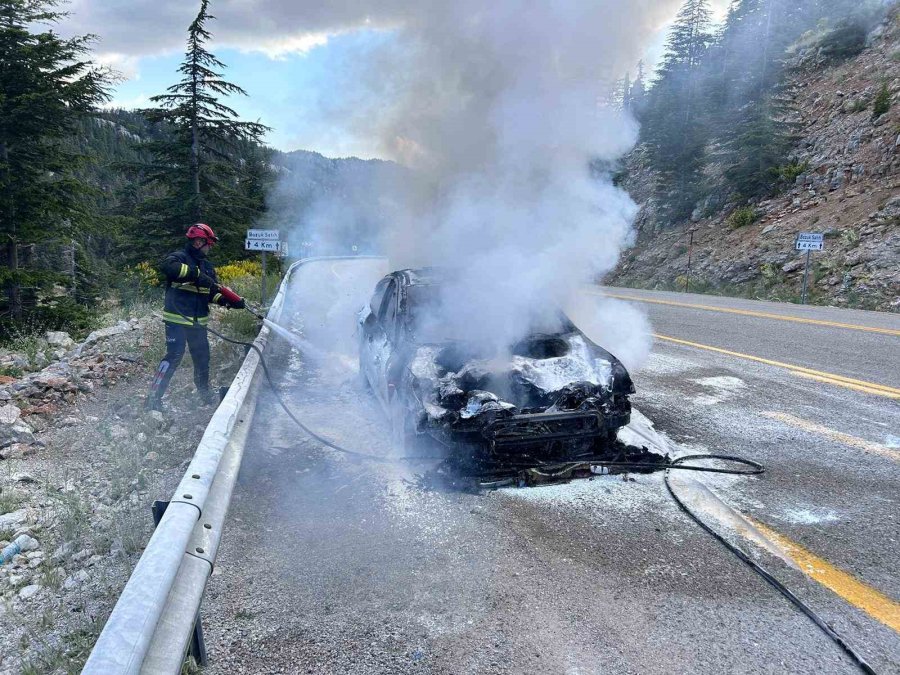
[(497, 111)]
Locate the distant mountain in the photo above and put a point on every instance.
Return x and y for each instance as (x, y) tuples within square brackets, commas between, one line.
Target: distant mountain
[(332, 204)]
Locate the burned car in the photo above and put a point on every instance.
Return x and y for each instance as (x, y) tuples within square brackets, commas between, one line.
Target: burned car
[(552, 398)]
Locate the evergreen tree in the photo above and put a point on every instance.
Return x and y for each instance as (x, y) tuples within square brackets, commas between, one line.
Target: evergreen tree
[(674, 125), (626, 93), (639, 90), (756, 149), (46, 84), (200, 164)]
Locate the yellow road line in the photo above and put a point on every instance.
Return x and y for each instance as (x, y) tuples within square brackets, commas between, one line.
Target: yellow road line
[(831, 378), (855, 387), (846, 439), (862, 596), (750, 312)]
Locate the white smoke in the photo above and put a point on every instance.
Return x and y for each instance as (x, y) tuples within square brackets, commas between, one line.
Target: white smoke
[(496, 109)]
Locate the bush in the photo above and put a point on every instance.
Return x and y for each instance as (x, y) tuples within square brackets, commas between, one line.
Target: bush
[(145, 273), (742, 217), (139, 285), (242, 268), (882, 102), (850, 238), (789, 172), (63, 313), (845, 40)]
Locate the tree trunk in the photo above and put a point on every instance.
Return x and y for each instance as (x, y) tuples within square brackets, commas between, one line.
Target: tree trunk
[(13, 289), (26, 261), (72, 268), (195, 147), (195, 170)]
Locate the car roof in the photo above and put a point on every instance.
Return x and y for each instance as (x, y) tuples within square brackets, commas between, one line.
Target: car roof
[(422, 276)]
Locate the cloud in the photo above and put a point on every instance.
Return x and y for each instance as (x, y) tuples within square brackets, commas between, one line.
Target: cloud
[(290, 44), (276, 28), (126, 65), (135, 102)]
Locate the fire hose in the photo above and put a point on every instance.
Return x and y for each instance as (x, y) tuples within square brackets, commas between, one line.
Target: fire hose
[(752, 468)]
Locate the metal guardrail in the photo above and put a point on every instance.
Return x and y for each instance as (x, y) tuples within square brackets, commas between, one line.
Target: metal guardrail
[(150, 627)]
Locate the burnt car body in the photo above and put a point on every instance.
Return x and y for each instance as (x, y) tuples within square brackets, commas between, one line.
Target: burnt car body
[(553, 398)]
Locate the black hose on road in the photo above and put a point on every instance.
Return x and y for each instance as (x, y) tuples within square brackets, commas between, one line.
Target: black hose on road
[(765, 574)]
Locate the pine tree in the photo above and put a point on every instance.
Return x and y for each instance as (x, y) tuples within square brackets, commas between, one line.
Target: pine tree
[(46, 84), (626, 93), (200, 162), (756, 149), (639, 90), (753, 140), (674, 126)]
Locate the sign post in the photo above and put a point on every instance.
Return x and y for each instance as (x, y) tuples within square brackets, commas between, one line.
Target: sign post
[(263, 280), (266, 241), (687, 278), (809, 242)]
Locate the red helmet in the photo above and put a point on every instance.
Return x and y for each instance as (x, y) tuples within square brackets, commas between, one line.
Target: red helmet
[(202, 231)]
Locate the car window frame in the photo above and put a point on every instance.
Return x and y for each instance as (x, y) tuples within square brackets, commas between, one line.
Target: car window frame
[(380, 290), (390, 296)]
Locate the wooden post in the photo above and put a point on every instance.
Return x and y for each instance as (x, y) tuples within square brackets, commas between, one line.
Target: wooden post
[(805, 279), (263, 278), (687, 278)]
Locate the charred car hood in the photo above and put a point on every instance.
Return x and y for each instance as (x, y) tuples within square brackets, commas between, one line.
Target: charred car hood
[(544, 373)]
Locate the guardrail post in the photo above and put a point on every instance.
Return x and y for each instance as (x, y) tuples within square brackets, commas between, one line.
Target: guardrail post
[(198, 645)]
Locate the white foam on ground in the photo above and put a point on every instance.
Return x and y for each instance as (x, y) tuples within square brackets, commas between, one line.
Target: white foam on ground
[(808, 516), (662, 364), (597, 496), (724, 387), (642, 433)]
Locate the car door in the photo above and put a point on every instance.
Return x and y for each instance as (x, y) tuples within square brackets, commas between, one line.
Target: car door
[(379, 342), (368, 325)]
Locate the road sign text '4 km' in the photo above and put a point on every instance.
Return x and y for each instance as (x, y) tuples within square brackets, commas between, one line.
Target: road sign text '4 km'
[(809, 242), (262, 245)]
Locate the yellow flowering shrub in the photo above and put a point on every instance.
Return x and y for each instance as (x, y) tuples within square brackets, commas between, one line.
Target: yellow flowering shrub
[(240, 269), (146, 274)]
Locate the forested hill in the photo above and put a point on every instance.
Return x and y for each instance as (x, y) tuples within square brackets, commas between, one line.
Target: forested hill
[(326, 206), (299, 185), (783, 120)]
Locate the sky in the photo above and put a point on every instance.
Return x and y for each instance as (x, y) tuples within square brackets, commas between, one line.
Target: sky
[(302, 66)]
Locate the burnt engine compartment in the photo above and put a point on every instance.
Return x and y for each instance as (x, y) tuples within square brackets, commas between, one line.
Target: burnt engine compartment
[(551, 399)]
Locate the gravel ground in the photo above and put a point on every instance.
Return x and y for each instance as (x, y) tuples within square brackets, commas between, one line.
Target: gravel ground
[(83, 490)]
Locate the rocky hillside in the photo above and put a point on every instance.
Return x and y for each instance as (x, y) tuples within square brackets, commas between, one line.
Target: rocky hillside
[(81, 462), (848, 188)]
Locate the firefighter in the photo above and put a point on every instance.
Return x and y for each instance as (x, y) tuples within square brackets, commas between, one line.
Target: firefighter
[(191, 284)]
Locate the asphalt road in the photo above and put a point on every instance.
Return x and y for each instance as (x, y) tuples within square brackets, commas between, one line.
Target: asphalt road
[(332, 564)]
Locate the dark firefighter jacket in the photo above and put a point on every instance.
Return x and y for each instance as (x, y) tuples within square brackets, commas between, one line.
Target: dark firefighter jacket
[(191, 284)]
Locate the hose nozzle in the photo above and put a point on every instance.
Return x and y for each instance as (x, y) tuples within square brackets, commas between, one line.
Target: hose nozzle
[(255, 312)]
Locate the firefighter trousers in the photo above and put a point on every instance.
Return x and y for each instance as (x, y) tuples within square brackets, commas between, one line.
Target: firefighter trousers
[(177, 336)]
